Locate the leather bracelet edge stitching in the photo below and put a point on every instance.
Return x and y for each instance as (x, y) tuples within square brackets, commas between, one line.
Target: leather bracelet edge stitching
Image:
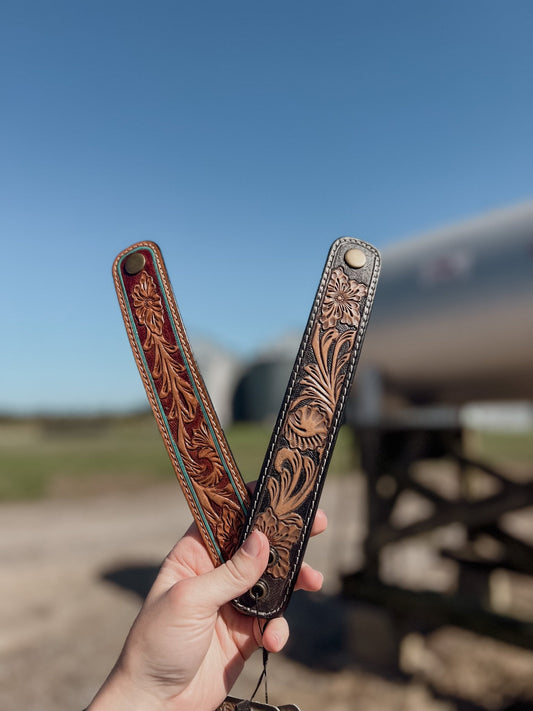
[(347, 382), (235, 477), (169, 444), (226, 460)]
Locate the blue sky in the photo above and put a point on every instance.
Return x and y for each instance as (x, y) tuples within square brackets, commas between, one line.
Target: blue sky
[(243, 138)]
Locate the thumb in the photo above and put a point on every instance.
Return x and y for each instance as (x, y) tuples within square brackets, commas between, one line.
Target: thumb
[(238, 574)]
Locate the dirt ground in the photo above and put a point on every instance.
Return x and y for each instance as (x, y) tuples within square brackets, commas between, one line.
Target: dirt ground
[(73, 570)]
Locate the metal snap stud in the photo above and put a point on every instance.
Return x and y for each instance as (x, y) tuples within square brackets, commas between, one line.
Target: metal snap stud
[(355, 258), (273, 557), (134, 263), (259, 590)]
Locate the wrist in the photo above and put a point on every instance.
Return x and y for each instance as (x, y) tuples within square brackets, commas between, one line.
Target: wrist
[(120, 694)]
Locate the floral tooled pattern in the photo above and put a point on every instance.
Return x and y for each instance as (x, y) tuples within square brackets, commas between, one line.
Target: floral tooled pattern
[(306, 427), (226, 706), (192, 436), (282, 532), (342, 300), (308, 421), (148, 306)]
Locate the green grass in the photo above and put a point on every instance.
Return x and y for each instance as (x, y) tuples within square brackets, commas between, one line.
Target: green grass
[(249, 442), (60, 456), (516, 447), (79, 456), (48, 456)]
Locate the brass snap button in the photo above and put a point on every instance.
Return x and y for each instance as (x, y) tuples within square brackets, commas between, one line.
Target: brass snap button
[(259, 590), (134, 263), (355, 258)]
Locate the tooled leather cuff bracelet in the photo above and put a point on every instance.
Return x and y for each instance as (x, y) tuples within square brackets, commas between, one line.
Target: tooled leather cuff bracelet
[(192, 434), (292, 476)]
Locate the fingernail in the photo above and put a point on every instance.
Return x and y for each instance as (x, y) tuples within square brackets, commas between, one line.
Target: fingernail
[(252, 545)]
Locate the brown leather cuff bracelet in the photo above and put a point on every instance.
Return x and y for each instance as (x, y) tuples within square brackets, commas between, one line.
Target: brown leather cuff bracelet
[(192, 434), (287, 494), (292, 476)]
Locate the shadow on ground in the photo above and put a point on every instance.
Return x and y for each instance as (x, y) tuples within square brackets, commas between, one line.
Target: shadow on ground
[(332, 634), (322, 626), (137, 579)]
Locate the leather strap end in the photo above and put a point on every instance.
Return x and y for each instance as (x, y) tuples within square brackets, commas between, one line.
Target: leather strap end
[(288, 491), (193, 437)]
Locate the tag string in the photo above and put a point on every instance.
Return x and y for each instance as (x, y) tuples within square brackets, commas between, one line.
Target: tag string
[(263, 676)]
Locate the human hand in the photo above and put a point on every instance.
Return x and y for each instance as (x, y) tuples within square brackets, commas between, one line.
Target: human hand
[(188, 644)]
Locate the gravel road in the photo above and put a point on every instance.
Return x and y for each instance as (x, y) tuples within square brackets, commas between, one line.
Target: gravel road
[(67, 606)]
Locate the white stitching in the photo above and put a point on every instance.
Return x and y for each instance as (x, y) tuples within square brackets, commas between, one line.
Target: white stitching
[(199, 384), (340, 407), (150, 394)]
